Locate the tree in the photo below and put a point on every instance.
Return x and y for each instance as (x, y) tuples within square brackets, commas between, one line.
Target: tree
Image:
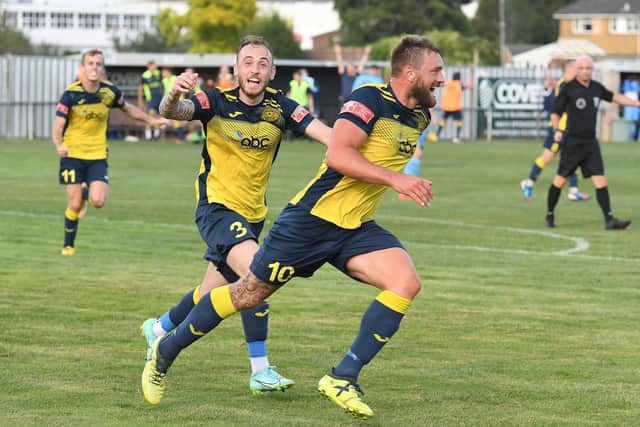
[(12, 41), (455, 48), (527, 22), (279, 35), (150, 42), (365, 21), (209, 25)]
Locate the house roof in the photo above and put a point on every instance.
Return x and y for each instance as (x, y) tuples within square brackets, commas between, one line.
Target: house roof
[(600, 7)]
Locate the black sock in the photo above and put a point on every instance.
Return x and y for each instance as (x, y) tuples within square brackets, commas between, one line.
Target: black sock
[(552, 198), (602, 194)]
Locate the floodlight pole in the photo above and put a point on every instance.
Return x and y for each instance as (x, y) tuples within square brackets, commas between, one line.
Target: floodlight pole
[(503, 32)]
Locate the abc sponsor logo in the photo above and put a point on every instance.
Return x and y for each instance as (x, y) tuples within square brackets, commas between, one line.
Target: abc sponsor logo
[(253, 142)]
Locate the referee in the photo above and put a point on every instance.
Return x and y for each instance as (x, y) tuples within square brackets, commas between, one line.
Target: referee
[(580, 99)]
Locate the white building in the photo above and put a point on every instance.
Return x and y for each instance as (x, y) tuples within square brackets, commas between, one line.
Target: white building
[(62, 24)]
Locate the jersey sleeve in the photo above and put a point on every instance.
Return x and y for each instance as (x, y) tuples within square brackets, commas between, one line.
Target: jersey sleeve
[(296, 116), (560, 104), (606, 94), (204, 103), (118, 100), (64, 105), (361, 108)]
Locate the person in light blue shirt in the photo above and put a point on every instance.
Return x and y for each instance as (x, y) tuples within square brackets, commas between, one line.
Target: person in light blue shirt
[(372, 75)]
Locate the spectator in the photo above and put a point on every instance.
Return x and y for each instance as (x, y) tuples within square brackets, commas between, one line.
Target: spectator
[(315, 90), (225, 78), (149, 95), (348, 72), (300, 92), (373, 75)]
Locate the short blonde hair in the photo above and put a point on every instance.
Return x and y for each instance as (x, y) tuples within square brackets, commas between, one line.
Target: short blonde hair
[(92, 52)]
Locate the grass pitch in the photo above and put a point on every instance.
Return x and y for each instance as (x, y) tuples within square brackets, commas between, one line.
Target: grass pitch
[(516, 324)]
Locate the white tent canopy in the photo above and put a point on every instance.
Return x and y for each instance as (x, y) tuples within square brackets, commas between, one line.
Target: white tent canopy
[(561, 49)]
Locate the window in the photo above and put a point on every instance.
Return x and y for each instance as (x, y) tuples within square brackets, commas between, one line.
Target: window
[(61, 20), (623, 25), (113, 22), (582, 26), (33, 19), (133, 22), (89, 20), (10, 19)]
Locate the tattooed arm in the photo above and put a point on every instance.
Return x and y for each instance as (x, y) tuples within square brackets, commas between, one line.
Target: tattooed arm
[(172, 107)]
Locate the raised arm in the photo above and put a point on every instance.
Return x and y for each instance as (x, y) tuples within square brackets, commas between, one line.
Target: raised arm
[(344, 156), (171, 106), (338, 51), (624, 100), (364, 58)]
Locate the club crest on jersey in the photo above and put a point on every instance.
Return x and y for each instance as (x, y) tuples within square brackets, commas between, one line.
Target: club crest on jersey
[(203, 99), (299, 113), (359, 110), (272, 115)]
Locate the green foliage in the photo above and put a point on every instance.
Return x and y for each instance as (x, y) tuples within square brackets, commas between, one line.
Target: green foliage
[(365, 21), (15, 42), (455, 48), (210, 26), (458, 49), (527, 22), (531, 22), (150, 42), (278, 33)]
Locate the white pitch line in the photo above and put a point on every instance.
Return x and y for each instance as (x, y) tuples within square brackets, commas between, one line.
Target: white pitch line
[(580, 244)]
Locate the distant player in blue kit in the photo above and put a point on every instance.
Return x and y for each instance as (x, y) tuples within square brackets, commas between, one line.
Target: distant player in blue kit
[(580, 99), (80, 137), (244, 126), (331, 220)]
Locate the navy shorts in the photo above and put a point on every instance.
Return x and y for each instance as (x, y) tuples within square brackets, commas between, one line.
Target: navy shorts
[(153, 106), (221, 229), (457, 115), (77, 171), (299, 243), (550, 143), (581, 153)]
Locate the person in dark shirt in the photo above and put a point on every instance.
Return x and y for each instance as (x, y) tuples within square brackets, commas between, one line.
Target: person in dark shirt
[(580, 99)]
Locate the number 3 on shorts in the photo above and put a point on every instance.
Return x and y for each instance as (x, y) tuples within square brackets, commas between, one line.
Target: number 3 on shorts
[(237, 226)]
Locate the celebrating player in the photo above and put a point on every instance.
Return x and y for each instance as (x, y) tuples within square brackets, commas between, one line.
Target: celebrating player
[(80, 137), (331, 220), (244, 127)]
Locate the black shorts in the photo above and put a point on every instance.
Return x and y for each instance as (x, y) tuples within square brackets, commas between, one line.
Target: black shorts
[(77, 171), (300, 243), (580, 153), (222, 229)]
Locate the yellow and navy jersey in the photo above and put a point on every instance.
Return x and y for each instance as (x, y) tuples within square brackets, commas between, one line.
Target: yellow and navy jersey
[(562, 124), (87, 114), (393, 131), (241, 146), (151, 82)]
